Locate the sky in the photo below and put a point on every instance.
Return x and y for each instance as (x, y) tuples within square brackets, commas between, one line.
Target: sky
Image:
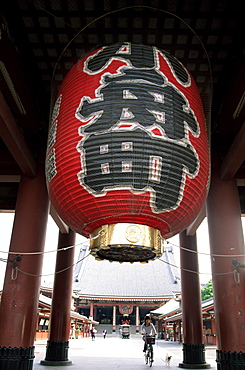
[(49, 260)]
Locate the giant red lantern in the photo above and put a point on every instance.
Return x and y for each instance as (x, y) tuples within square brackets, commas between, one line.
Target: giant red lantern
[(128, 159)]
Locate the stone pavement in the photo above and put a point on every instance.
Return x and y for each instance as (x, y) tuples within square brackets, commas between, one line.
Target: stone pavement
[(115, 353)]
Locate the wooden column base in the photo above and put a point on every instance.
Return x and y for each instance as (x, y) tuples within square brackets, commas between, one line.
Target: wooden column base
[(56, 354), (194, 357), (16, 358), (230, 360)]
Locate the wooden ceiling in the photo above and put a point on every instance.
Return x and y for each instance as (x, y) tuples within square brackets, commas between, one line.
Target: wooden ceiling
[(40, 40)]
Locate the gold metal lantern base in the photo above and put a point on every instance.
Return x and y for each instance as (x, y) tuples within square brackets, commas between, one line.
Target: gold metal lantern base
[(126, 242)]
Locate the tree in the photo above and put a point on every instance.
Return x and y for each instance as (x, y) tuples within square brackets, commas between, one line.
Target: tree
[(207, 291)]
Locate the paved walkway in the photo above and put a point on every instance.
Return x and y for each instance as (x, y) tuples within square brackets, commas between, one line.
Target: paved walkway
[(116, 353)]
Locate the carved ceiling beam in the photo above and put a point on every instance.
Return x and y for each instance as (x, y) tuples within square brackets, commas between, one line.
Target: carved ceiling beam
[(14, 140), (190, 231), (234, 157), (63, 228)]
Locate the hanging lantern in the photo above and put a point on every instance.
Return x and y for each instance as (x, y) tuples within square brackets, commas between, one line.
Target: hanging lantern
[(128, 160)]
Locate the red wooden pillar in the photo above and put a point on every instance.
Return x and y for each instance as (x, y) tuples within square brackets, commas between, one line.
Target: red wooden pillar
[(193, 343), (114, 318), (226, 238), (137, 319), (18, 310), (213, 330), (174, 329), (95, 312), (179, 329), (59, 333), (91, 310), (164, 330)]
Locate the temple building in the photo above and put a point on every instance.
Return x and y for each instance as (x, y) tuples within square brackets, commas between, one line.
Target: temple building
[(113, 293)]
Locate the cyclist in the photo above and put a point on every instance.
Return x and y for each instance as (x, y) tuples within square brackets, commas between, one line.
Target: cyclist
[(147, 328)]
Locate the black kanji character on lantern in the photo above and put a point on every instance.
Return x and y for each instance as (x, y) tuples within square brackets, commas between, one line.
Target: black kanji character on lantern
[(139, 56), (136, 161), (142, 97)]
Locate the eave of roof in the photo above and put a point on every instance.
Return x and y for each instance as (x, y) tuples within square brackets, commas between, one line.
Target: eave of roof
[(206, 306), (171, 307), (46, 302), (116, 298)]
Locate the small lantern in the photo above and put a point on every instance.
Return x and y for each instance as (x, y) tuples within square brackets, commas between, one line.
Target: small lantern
[(128, 159)]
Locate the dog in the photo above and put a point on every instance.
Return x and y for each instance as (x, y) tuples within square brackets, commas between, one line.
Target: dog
[(168, 359)]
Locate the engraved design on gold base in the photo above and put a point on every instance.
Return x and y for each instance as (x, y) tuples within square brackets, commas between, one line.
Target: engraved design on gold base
[(126, 242), (133, 233)]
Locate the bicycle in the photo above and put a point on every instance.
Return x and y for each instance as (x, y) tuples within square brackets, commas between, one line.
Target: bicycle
[(150, 340)]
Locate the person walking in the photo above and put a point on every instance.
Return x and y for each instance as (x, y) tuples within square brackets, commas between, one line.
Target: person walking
[(72, 332), (93, 331), (104, 333)]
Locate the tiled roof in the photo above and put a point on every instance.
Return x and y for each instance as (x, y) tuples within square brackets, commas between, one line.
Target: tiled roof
[(171, 306), (74, 315), (155, 279), (206, 306)]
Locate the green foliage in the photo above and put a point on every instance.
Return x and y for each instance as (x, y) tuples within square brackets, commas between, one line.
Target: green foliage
[(207, 291)]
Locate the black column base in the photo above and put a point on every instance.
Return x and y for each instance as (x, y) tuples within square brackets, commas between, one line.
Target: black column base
[(16, 358), (230, 360), (194, 357), (56, 354), (55, 363)]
